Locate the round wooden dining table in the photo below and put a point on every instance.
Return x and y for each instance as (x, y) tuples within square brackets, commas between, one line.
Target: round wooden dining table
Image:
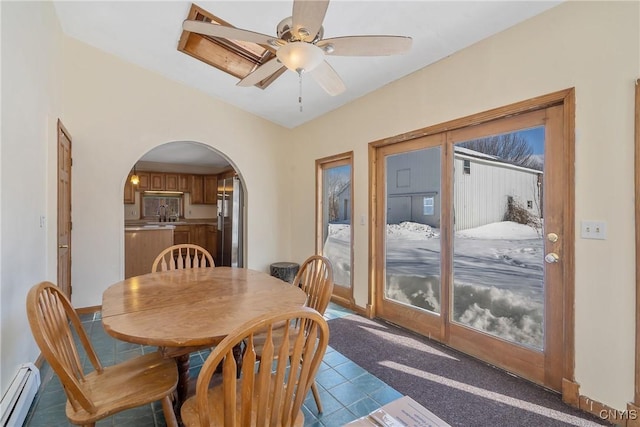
[(185, 310)]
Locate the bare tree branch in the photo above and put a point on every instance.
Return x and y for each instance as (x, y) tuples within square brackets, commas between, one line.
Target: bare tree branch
[(508, 147)]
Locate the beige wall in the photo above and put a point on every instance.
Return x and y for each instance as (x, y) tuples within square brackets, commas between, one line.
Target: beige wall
[(116, 112), (592, 46), (30, 107)]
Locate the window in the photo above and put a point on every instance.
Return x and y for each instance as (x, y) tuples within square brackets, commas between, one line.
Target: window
[(529, 204), (155, 206), (466, 167), (427, 205), (334, 205), (237, 58)]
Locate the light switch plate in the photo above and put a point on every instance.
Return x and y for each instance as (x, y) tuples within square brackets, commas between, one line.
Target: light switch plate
[(593, 230)]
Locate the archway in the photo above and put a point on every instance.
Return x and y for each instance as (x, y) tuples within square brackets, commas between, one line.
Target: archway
[(186, 192)]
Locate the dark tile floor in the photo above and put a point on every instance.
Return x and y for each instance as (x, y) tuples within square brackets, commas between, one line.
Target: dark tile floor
[(347, 391)]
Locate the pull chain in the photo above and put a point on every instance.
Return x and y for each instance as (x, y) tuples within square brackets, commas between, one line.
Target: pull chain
[(299, 70)]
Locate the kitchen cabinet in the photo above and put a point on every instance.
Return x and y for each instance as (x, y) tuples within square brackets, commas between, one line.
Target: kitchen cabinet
[(142, 246), (184, 183), (156, 181), (171, 182), (199, 235), (129, 192), (144, 183), (197, 189), (203, 235), (203, 188), (182, 234), (212, 240), (210, 189)]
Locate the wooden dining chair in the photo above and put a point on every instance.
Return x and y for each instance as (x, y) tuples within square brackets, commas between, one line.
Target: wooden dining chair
[(315, 278), (103, 391), (270, 390), (178, 257)]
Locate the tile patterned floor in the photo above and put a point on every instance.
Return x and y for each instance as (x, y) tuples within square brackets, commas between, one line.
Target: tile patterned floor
[(347, 391)]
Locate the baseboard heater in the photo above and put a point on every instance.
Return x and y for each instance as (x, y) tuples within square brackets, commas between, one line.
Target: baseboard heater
[(17, 400)]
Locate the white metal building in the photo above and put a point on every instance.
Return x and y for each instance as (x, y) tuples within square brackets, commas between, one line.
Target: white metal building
[(482, 187)]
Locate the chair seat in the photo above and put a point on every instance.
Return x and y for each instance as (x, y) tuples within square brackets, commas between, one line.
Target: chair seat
[(148, 378), (189, 411)]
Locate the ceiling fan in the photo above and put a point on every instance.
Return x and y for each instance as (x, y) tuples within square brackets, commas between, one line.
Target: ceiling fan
[(300, 46)]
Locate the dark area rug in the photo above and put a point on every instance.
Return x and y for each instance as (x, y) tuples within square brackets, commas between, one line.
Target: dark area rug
[(461, 390)]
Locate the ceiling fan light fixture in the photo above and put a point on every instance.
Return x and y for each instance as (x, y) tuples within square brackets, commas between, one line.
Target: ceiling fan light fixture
[(300, 56)]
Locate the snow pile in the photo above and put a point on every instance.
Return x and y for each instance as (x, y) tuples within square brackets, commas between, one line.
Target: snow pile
[(410, 231), (340, 231), (500, 312), (404, 231), (499, 231)]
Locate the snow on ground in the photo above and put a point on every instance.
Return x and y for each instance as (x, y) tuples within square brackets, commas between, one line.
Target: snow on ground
[(500, 230), (497, 268), (410, 231)]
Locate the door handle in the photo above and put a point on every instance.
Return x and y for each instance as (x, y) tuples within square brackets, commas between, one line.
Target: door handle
[(63, 246), (551, 258)]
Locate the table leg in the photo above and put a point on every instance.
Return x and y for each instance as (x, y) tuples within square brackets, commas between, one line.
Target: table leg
[(183, 378), (237, 354)]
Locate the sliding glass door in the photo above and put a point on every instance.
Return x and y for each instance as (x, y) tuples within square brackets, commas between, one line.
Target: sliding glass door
[(472, 246)]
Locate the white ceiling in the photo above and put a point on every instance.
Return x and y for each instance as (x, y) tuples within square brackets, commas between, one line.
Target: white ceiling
[(183, 157), (147, 33)]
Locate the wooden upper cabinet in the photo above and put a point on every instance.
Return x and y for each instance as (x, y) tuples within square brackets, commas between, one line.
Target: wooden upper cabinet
[(210, 189), (197, 190), (184, 183), (129, 192), (157, 181), (144, 183), (171, 182), (162, 181)]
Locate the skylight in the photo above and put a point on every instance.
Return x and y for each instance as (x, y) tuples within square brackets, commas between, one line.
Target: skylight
[(237, 58)]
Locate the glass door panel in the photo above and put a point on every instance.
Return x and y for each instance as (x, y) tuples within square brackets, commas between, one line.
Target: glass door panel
[(412, 240), (336, 222), (498, 246)]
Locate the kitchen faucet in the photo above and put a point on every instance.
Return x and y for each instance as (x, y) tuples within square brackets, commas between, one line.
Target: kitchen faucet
[(162, 213)]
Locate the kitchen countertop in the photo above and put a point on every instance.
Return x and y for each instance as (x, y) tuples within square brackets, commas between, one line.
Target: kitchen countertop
[(143, 223), (149, 227)]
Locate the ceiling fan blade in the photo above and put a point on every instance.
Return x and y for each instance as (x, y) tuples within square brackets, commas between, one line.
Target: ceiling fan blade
[(366, 45), (261, 73), (308, 14), (214, 30), (328, 79)]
